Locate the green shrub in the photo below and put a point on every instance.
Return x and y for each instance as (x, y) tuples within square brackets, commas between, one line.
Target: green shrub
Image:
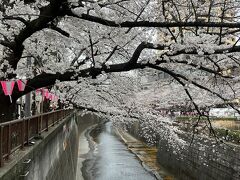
[(195, 118), (229, 135)]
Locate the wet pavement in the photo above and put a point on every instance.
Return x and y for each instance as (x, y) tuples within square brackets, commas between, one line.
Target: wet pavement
[(83, 149), (110, 159)]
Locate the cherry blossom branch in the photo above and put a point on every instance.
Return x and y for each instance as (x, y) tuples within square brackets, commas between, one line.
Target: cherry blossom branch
[(141, 47), (192, 82), (49, 79), (177, 78), (47, 15), (16, 18), (139, 15), (110, 55), (132, 24), (58, 29), (7, 44), (199, 67), (91, 46)]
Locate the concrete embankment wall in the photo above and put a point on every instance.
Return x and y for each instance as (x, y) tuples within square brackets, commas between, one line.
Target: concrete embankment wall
[(204, 159), (55, 156)]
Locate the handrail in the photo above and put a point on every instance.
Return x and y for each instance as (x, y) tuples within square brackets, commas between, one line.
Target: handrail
[(30, 117), (17, 133)]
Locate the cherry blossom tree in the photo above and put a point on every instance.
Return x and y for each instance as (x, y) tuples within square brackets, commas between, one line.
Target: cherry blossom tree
[(194, 42)]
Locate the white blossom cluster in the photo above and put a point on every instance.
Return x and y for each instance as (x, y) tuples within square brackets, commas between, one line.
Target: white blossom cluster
[(153, 39)]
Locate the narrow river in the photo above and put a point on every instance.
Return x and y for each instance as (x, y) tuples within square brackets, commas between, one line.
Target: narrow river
[(109, 159)]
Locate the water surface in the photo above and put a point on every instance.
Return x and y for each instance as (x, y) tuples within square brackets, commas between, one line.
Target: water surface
[(109, 159)]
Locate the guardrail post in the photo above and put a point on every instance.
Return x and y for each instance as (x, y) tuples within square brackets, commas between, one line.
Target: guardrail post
[(57, 114), (9, 141), (1, 146), (53, 116), (47, 122), (27, 132), (38, 126), (41, 124), (23, 134)]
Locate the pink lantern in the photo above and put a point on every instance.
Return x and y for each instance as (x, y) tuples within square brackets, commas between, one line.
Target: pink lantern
[(38, 91), (50, 96), (45, 92), (47, 95), (7, 87), (21, 84)]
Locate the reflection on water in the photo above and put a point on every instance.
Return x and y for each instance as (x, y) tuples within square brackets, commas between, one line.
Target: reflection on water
[(113, 161)]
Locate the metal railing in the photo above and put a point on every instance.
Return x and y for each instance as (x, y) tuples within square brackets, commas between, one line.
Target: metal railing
[(18, 133)]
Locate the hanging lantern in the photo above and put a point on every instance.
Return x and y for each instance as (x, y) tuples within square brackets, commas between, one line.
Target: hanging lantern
[(21, 84), (44, 92), (51, 97), (7, 87), (38, 91), (48, 94)]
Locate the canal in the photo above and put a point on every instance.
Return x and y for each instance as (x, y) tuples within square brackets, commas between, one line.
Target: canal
[(103, 156)]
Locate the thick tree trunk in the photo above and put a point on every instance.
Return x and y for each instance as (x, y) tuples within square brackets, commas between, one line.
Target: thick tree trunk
[(7, 109)]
